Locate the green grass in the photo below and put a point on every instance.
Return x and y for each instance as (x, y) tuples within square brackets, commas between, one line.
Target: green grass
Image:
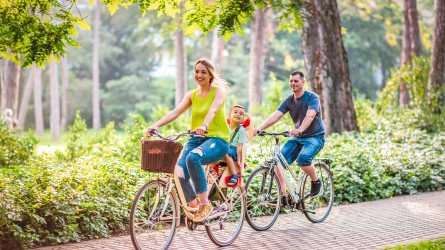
[(428, 245), (47, 140)]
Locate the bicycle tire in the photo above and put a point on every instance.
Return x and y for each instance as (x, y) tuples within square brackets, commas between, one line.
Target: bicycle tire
[(317, 209), (224, 230), (148, 229), (262, 187)]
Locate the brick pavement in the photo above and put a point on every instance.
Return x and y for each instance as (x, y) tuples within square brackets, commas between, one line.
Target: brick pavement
[(367, 225)]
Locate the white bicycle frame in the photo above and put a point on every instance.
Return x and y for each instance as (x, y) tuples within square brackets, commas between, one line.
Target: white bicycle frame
[(279, 158)]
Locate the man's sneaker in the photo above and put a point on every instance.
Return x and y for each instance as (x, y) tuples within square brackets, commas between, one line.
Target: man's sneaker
[(316, 188), (203, 212)]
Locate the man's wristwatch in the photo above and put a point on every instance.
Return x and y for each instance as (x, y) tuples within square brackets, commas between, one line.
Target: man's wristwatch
[(206, 125)]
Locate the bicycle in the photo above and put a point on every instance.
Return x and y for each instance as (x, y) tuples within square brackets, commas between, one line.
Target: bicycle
[(263, 189), (155, 212)]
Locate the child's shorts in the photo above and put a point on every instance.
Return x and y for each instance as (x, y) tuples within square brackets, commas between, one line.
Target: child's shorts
[(232, 152)]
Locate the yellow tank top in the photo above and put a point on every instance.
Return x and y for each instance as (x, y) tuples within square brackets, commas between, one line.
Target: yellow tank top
[(200, 107)]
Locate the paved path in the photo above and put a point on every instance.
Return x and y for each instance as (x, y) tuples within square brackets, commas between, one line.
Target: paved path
[(367, 225)]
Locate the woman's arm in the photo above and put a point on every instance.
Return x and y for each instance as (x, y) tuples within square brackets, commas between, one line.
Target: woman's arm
[(172, 115)]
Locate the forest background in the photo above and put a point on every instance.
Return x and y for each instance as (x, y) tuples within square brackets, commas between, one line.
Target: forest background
[(383, 108), (137, 64)]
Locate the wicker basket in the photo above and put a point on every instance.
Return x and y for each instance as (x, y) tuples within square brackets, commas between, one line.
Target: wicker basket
[(160, 156)]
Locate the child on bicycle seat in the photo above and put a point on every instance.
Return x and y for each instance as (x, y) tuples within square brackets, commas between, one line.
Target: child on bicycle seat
[(238, 136)]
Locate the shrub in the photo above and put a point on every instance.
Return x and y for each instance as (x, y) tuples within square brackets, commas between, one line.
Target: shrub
[(425, 111), (15, 149), (86, 191)]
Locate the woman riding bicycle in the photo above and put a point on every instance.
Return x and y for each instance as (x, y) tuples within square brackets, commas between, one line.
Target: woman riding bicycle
[(207, 108)]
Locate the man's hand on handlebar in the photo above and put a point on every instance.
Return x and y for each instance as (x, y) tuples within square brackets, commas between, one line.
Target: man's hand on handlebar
[(296, 132)]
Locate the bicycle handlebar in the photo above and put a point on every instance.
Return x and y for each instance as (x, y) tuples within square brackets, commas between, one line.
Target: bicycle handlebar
[(264, 133), (175, 137)]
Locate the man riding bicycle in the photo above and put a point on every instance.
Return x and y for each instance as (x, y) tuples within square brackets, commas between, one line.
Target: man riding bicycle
[(308, 131)]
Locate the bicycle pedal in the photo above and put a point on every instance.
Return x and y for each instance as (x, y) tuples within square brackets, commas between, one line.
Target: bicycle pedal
[(298, 206)]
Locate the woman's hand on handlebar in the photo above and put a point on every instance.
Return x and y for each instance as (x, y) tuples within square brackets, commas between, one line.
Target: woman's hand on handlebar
[(201, 130), (151, 130), (256, 132)]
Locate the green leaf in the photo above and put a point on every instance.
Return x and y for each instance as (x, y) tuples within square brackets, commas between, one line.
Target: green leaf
[(83, 24), (112, 8)]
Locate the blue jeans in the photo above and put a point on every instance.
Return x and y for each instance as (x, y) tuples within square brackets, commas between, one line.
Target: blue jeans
[(191, 162), (303, 150)]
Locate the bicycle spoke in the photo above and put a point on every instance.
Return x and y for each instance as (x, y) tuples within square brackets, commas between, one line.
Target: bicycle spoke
[(153, 217), (224, 226), (262, 189), (316, 209)]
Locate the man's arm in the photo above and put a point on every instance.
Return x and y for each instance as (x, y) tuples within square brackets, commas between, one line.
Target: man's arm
[(310, 115), (271, 120)]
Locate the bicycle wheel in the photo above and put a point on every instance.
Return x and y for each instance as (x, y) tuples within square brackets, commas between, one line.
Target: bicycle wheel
[(263, 195), (317, 209), (225, 223), (153, 217)]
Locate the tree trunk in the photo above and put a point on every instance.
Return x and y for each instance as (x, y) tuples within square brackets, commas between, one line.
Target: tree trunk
[(38, 107), (414, 32), (406, 38), (406, 54), (327, 65), (410, 44), (96, 82), (64, 94), (2, 80), (217, 50), (180, 55), (26, 97), (214, 45), (438, 48), (10, 87), (258, 49), (54, 124)]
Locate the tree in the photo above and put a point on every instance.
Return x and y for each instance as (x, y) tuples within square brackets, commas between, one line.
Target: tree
[(410, 44), (38, 109), (10, 87), (64, 94), (371, 38), (96, 82), (217, 50), (26, 97), (180, 55), (261, 30), (438, 49), (32, 31), (327, 65), (54, 124)]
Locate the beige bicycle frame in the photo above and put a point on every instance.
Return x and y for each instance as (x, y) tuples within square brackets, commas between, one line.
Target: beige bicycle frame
[(183, 203)]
